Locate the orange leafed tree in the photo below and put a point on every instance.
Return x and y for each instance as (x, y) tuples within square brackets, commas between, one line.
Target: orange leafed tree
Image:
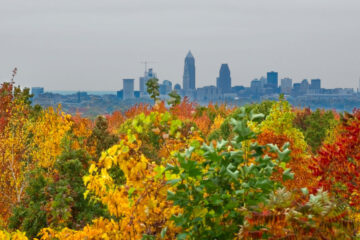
[(278, 129)]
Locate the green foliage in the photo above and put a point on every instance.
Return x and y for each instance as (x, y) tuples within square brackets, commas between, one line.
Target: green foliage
[(243, 113), (153, 89), (23, 95), (100, 136), (175, 98), (57, 201), (264, 107), (29, 216), (233, 176), (316, 126)]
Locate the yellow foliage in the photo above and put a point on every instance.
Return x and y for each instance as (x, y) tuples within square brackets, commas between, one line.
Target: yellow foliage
[(217, 122), (12, 236), (14, 155), (278, 128), (139, 205), (48, 132)]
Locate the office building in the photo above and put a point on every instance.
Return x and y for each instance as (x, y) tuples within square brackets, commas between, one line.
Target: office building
[(256, 87), (165, 87), (223, 82), (304, 86), (120, 94), (315, 85), (143, 80), (128, 88), (189, 72), (177, 87), (208, 94), (263, 81), (272, 80), (286, 85), (36, 91)]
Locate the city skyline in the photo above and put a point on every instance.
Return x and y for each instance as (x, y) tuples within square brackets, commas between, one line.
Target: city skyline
[(140, 80), (92, 45), (189, 63)]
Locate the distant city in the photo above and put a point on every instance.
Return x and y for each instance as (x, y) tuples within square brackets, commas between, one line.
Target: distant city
[(307, 93)]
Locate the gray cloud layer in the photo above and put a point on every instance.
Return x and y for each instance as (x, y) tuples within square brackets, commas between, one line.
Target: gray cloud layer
[(92, 45)]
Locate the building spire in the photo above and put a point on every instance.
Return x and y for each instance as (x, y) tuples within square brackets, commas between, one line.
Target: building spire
[(189, 55)]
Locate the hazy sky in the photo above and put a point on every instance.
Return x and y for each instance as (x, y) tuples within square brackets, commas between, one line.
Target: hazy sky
[(93, 44)]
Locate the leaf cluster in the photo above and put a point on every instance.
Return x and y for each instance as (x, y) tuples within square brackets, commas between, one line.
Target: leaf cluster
[(233, 176)]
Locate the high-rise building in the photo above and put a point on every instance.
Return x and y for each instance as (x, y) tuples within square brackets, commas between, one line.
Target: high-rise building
[(304, 86), (177, 87), (165, 87), (263, 81), (223, 82), (189, 72), (256, 87), (143, 80), (36, 91), (315, 84), (208, 94), (128, 88), (272, 80), (286, 85)]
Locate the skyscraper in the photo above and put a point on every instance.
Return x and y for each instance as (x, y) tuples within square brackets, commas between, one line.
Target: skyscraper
[(315, 84), (286, 85), (223, 82), (189, 72), (143, 80), (272, 80), (304, 86), (165, 87), (128, 88)]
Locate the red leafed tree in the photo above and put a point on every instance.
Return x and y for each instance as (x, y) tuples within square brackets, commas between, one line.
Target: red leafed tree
[(337, 165)]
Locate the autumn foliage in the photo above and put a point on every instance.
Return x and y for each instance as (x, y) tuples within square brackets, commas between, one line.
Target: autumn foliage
[(184, 171)]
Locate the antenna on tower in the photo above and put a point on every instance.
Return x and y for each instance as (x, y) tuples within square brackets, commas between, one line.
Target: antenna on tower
[(146, 64)]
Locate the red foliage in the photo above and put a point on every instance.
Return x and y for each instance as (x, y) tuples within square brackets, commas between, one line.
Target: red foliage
[(184, 110), (338, 164), (137, 109), (115, 120), (299, 162), (6, 96)]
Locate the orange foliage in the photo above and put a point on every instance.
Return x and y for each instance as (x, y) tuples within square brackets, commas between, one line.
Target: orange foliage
[(114, 121), (299, 162), (203, 123), (184, 110), (137, 109)]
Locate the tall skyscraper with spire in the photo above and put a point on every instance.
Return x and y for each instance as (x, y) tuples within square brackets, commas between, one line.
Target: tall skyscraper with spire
[(189, 72), (223, 82)]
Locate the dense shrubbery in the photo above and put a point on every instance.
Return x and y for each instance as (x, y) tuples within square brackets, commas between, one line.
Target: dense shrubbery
[(262, 171)]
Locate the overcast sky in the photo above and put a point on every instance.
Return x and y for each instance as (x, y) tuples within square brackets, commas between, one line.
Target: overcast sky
[(93, 44)]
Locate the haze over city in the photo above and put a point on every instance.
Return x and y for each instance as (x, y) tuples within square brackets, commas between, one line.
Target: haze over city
[(93, 45)]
